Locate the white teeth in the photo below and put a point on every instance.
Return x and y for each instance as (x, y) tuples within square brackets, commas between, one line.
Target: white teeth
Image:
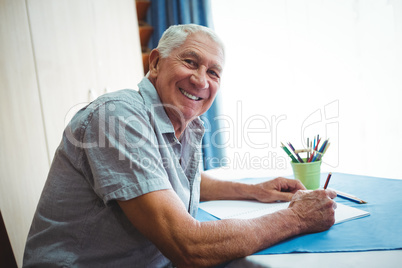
[(188, 95)]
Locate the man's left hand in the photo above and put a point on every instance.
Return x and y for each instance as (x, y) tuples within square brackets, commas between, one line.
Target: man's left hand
[(279, 189)]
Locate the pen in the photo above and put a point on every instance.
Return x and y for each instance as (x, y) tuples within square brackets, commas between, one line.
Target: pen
[(327, 181), (319, 155), (308, 153), (289, 153), (325, 149), (311, 156), (298, 151), (314, 143), (297, 155), (322, 149), (350, 197), (316, 146)]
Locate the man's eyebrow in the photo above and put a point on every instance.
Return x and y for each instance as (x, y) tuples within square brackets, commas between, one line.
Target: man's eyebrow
[(218, 67), (191, 53)]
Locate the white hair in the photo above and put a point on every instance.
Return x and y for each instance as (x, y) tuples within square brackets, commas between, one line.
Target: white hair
[(176, 35)]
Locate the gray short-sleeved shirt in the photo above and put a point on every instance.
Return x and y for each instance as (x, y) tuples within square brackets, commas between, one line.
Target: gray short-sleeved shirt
[(119, 147)]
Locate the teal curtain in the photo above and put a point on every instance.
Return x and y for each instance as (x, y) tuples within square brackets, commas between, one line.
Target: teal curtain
[(162, 14)]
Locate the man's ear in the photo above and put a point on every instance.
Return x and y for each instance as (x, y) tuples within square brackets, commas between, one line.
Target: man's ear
[(154, 58)]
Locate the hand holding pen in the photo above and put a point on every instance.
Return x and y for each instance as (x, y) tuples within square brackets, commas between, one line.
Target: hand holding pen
[(344, 195)]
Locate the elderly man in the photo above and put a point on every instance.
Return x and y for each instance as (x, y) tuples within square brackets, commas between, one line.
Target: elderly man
[(124, 186)]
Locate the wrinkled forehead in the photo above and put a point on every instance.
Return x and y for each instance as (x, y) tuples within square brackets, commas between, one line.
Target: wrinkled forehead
[(200, 45)]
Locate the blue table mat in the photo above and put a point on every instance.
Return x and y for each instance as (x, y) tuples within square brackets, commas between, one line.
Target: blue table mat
[(382, 230)]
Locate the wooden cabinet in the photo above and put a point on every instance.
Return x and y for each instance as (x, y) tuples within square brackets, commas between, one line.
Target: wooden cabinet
[(51, 54), (81, 45), (24, 161)]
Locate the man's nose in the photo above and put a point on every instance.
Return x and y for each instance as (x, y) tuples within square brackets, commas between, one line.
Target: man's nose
[(199, 79)]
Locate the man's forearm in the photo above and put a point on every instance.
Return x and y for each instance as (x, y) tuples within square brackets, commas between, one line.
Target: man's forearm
[(213, 189), (162, 217), (221, 241)]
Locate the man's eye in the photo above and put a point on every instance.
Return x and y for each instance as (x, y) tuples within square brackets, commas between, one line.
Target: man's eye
[(213, 73), (191, 62)]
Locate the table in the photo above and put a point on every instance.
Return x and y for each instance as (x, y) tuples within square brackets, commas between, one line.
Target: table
[(366, 259), (371, 258)]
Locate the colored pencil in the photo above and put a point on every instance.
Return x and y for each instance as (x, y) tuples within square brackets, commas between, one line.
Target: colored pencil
[(289, 153), (313, 154), (327, 181), (297, 155), (319, 154), (349, 197)]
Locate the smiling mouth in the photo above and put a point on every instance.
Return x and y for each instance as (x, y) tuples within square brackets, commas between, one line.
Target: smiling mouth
[(188, 95)]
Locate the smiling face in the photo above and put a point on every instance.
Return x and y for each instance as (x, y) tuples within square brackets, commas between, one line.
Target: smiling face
[(188, 80)]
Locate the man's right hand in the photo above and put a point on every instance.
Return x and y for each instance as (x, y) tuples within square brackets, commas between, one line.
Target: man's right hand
[(315, 209)]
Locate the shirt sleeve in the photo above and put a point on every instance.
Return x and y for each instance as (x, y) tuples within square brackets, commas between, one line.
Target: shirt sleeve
[(122, 152)]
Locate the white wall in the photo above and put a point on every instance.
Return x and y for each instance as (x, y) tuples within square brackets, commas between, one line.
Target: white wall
[(300, 68)]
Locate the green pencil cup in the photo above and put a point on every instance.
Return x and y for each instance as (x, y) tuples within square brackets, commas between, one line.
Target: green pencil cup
[(308, 174)]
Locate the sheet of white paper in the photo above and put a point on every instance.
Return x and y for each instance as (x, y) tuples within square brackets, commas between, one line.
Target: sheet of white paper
[(240, 209)]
